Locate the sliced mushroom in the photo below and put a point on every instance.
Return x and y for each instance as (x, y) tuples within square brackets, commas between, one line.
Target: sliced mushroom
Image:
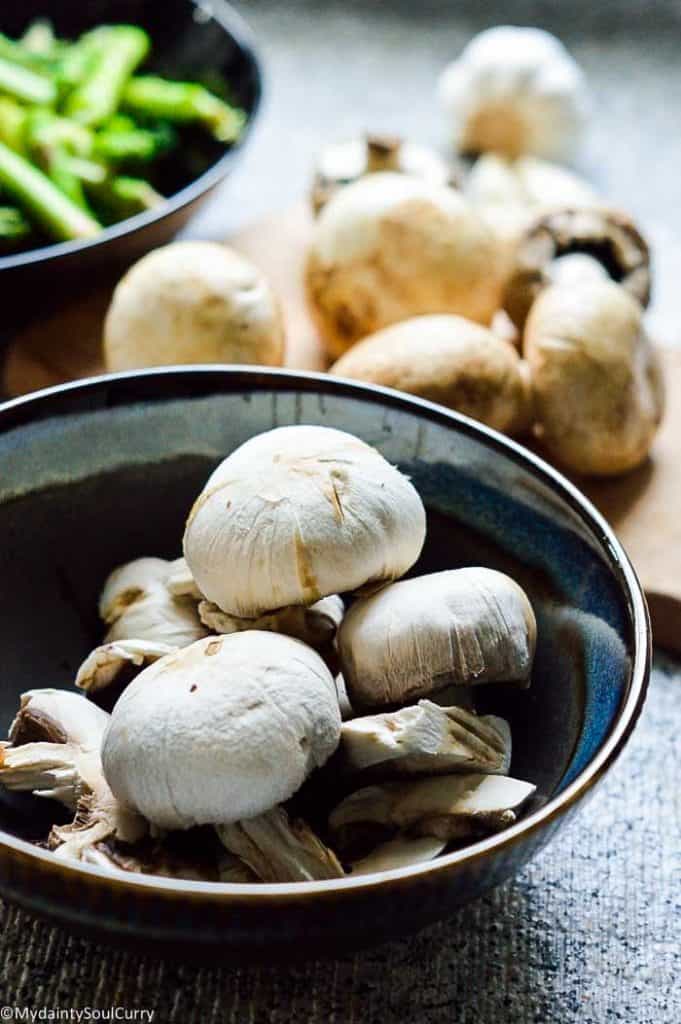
[(154, 856), (607, 236), (62, 761), (107, 664), (278, 849), (446, 807), (462, 626), (315, 625), (297, 514), (344, 162), (402, 852), (426, 739)]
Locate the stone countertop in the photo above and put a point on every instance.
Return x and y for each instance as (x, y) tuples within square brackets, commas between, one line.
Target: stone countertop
[(590, 932)]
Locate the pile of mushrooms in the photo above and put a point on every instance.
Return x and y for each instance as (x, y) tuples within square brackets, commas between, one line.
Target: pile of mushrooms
[(513, 293), (286, 706)]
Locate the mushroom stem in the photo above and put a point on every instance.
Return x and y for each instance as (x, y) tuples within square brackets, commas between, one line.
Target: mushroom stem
[(279, 849), (315, 625), (383, 153), (105, 664)]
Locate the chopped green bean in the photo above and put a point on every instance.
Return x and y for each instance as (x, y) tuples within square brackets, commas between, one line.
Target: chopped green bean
[(97, 97), (137, 144), (13, 118), (88, 171), (15, 53), (33, 190), (183, 102), (39, 38), (26, 85), (123, 196)]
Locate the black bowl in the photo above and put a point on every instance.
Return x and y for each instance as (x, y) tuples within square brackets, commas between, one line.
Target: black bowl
[(190, 38), (99, 472)]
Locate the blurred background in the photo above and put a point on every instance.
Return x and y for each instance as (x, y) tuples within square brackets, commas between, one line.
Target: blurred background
[(337, 67)]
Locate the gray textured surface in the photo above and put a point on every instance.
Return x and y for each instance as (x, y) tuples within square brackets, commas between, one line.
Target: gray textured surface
[(590, 933)]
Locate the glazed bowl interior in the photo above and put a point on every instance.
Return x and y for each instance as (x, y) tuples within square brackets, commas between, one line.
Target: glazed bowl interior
[(98, 473)]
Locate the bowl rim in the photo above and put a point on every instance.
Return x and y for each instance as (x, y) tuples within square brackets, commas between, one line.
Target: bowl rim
[(225, 378), (234, 25)]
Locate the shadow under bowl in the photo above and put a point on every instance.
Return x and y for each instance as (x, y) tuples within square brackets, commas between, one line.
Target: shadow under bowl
[(96, 473), (191, 39)]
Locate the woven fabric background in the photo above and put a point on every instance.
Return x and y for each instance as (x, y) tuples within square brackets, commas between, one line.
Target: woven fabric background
[(590, 932)]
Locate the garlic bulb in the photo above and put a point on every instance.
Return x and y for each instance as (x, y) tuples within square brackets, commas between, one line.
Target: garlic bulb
[(514, 91), (297, 514)]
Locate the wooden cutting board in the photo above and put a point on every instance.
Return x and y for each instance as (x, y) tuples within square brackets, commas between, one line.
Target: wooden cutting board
[(644, 507)]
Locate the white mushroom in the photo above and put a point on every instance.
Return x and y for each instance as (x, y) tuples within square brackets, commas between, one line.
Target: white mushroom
[(447, 807), (222, 730), (297, 514), (392, 246), (137, 605), (341, 163), (426, 739), (514, 91), (599, 392), (461, 626), (108, 663), (54, 752), (180, 581), (315, 625), (277, 849), (511, 194), (193, 302)]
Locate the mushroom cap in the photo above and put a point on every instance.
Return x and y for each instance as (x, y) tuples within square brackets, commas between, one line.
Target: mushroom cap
[(129, 583), (597, 383), (392, 246), (299, 513), (464, 626), (341, 163), (515, 90), (193, 302), (450, 360), (222, 730), (608, 237)]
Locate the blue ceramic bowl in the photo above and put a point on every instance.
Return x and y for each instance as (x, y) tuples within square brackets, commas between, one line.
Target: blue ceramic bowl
[(95, 473)]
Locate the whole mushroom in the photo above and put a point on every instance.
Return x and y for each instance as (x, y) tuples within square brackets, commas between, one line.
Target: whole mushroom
[(223, 731), (574, 245), (449, 360), (193, 302), (598, 389), (297, 514), (392, 246), (344, 162), (513, 91), (462, 626)]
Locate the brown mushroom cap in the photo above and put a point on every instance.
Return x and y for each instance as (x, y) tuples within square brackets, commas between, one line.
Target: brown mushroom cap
[(608, 236)]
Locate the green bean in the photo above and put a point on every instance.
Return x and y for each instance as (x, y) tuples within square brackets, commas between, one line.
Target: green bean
[(26, 85), (13, 118), (89, 172), (123, 196), (45, 129), (97, 97), (39, 39), (183, 102), (15, 53), (39, 197), (137, 144)]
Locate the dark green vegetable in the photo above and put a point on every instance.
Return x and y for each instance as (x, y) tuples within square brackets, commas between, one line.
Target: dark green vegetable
[(123, 196), (44, 202), (183, 102), (14, 227), (26, 85), (120, 49), (137, 144), (13, 124)]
